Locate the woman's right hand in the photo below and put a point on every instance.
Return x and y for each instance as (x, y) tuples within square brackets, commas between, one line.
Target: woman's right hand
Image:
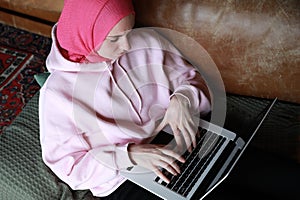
[(155, 157)]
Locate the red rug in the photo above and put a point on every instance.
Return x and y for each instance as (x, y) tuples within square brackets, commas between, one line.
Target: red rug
[(22, 55)]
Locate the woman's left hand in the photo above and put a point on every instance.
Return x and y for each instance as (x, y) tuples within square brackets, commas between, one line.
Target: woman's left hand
[(181, 121)]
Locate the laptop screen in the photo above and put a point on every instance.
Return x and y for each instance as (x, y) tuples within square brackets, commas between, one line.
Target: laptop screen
[(243, 117)]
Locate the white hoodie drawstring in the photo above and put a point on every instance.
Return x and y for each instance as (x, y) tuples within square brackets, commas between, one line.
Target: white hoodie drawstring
[(132, 86)]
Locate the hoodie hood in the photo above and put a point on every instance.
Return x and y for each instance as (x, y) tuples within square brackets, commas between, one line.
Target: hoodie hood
[(56, 61)]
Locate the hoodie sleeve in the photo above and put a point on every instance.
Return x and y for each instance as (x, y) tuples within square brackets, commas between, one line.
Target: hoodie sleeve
[(67, 153), (186, 81), (153, 49), (196, 92)]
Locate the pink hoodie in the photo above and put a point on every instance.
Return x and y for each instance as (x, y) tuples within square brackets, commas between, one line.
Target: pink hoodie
[(89, 112)]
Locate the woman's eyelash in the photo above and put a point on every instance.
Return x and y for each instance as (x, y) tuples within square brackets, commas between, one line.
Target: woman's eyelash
[(114, 39)]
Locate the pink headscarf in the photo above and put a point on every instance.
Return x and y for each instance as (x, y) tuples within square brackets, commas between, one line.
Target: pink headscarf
[(84, 25)]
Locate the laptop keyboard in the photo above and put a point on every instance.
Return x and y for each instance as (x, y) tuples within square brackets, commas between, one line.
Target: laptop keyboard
[(196, 162)]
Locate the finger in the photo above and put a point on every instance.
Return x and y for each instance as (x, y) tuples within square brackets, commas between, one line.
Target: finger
[(161, 175), (187, 139), (172, 145), (161, 126), (191, 130), (198, 134), (172, 169), (169, 165), (193, 135), (178, 139), (173, 155)]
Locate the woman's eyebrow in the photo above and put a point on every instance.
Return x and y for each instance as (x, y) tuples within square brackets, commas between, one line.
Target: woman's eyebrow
[(120, 35), (114, 36)]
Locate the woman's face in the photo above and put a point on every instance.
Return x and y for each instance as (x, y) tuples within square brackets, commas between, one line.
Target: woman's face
[(116, 42)]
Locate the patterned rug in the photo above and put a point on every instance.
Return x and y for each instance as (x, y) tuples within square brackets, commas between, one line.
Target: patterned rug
[(22, 55)]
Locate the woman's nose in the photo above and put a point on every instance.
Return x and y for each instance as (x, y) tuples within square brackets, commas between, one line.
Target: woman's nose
[(125, 44)]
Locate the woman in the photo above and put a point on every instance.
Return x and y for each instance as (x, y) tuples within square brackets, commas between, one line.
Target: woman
[(108, 95)]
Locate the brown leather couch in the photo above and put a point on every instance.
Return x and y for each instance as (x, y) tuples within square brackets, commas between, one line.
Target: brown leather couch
[(255, 44)]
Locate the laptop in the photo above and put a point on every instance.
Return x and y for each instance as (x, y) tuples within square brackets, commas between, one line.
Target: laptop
[(217, 152)]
